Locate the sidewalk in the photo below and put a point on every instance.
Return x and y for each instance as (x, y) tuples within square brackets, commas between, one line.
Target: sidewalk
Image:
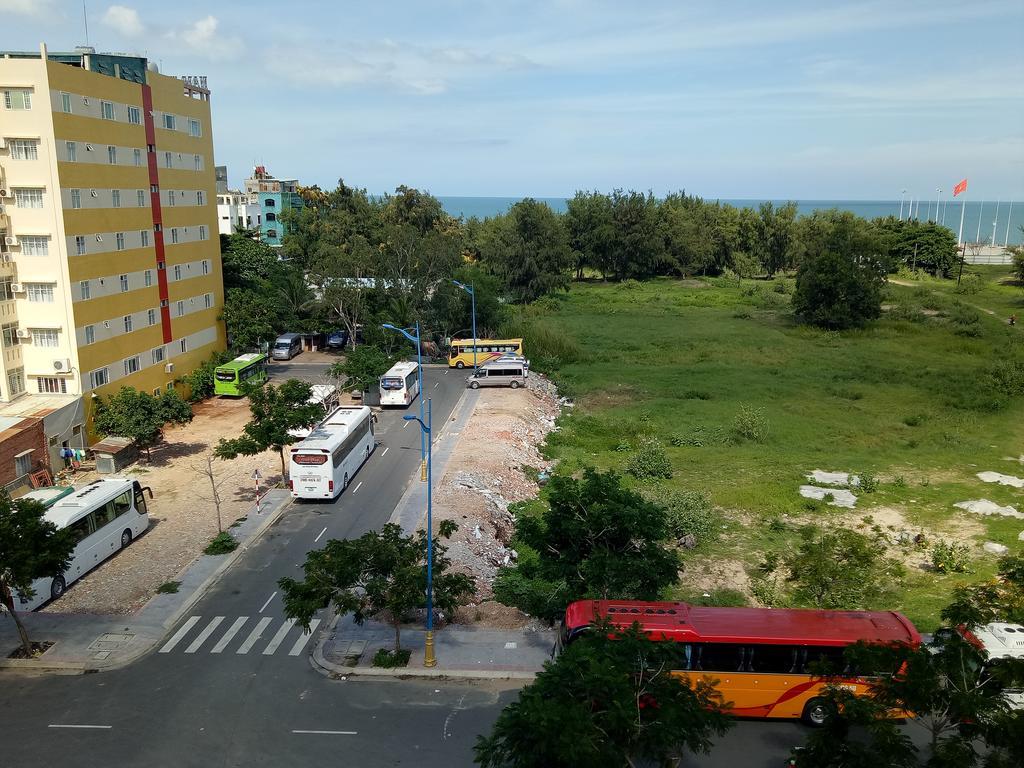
[(90, 643), (461, 652)]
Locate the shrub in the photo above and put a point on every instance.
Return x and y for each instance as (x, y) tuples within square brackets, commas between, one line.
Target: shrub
[(168, 588), (780, 286), (1006, 377), (950, 557), (907, 312), (766, 591), (531, 594), (838, 291), (385, 657), (221, 544), (742, 314), (630, 284), (749, 425), (969, 284), (690, 513), (650, 462), (723, 597), (698, 437), (200, 380), (915, 420), (868, 482)]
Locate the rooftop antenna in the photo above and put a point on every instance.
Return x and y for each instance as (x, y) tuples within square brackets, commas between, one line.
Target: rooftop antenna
[(85, 15)]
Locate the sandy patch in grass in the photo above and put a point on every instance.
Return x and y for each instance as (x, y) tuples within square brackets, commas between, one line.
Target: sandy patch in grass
[(707, 573)]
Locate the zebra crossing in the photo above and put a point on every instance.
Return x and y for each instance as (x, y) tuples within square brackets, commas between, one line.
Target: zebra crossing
[(236, 631)]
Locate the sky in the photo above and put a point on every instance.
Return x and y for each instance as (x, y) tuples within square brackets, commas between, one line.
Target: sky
[(730, 99)]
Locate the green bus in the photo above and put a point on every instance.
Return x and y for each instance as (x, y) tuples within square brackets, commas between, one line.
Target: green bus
[(244, 369)]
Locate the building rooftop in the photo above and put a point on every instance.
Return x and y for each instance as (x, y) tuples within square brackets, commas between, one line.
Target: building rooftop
[(37, 406), (125, 66)]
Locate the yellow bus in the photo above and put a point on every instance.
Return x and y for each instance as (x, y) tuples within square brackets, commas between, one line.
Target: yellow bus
[(461, 353)]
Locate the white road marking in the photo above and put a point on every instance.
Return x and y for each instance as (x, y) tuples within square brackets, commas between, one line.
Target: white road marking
[(204, 635), (436, 383), (180, 634), (330, 733), (278, 638), (304, 638), (255, 635), (268, 601), (223, 642), (101, 727), (358, 486), (320, 534), (405, 424), (385, 452)]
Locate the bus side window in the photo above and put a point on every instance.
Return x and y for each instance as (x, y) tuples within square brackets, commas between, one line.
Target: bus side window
[(772, 658), (80, 529), (104, 515), (122, 503), (824, 661), (140, 502), (723, 657)]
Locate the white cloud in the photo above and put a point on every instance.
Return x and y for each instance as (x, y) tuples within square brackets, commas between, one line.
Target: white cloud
[(27, 7), (204, 39), (125, 20)]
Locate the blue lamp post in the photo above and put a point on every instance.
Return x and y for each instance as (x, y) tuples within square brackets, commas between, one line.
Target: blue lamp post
[(429, 659), (472, 295), (419, 369)]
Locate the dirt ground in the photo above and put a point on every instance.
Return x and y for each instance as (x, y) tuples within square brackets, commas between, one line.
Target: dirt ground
[(182, 514), (485, 474)]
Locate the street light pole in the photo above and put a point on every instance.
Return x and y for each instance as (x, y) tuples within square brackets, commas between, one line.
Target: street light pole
[(996, 222), (938, 196), (429, 659), (903, 194), (472, 295), (419, 371), (1009, 215)]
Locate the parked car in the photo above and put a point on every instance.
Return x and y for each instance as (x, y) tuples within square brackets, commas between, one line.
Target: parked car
[(500, 373), (287, 346), (337, 339)]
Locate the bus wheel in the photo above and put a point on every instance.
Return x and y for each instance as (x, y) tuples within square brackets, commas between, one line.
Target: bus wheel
[(460, 365), (816, 712), (126, 538), (57, 587), (474, 385), (514, 385)]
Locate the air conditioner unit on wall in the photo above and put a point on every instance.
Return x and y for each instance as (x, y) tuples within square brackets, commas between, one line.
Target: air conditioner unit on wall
[(62, 365), (24, 333), (10, 240), (17, 288), (4, 193)]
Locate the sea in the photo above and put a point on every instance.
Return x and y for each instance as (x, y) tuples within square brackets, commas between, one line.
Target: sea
[(979, 217)]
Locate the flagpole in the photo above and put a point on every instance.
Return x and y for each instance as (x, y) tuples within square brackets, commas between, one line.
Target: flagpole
[(1009, 215), (963, 207), (996, 222), (981, 213)]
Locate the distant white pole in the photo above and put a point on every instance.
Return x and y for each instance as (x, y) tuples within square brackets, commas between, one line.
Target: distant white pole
[(902, 195), (1006, 240), (938, 196), (963, 207), (944, 204), (917, 213), (977, 237), (994, 223)]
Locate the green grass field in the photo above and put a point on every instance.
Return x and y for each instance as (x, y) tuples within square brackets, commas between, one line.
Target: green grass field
[(911, 400)]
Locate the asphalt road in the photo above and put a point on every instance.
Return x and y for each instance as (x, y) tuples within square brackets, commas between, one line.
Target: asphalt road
[(232, 684)]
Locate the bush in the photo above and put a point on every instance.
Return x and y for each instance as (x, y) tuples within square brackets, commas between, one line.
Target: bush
[(908, 312), (868, 482), (690, 513), (915, 420), (749, 424), (531, 594), (780, 286), (698, 437), (547, 347), (969, 284), (650, 462), (168, 588), (1006, 377), (837, 292), (723, 597), (385, 657), (221, 544), (766, 590), (950, 557), (200, 380)]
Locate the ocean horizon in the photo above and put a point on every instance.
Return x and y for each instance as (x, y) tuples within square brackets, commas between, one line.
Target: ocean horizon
[(978, 216)]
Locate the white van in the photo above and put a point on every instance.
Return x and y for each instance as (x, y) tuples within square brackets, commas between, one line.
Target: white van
[(287, 346), (500, 373)]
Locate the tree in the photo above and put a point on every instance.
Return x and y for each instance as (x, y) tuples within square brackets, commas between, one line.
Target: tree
[(207, 470), (591, 231), (606, 702), (636, 250), (595, 539), (246, 262), (377, 575), (1017, 253), (140, 416), (775, 241), (839, 568), (345, 276), (275, 411), (31, 548), (362, 367), (837, 292)]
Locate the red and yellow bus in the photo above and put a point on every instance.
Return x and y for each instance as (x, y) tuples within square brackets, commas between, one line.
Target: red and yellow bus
[(763, 659), (461, 353)]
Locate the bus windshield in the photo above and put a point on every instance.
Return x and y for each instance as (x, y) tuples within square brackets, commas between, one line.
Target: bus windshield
[(391, 382), (225, 375)]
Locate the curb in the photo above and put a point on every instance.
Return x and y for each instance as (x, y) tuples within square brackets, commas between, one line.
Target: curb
[(81, 668)]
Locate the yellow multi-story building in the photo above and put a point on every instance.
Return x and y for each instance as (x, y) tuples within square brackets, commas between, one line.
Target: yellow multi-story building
[(110, 271)]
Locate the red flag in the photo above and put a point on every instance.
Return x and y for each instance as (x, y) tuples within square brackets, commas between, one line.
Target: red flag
[(961, 187)]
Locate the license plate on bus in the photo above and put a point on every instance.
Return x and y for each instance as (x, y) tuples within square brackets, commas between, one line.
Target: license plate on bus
[(309, 479)]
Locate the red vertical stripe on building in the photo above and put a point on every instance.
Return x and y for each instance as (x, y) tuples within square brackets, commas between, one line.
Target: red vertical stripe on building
[(158, 235)]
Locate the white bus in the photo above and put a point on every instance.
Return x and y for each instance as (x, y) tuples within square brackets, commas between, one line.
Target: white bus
[(324, 395), (322, 464), (104, 517), (400, 385)]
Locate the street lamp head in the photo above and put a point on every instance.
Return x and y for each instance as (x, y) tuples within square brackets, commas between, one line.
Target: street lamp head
[(389, 327), (408, 418)]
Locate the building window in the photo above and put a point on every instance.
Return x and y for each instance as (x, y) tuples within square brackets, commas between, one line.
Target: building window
[(115, 198), (65, 102), (140, 197), (179, 308), (90, 334), (76, 198), (112, 155), (80, 245), (271, 216), (145, 238), (134, 116), (169, 122), (202, 231), (151, 316), (39, 292), (44, 337), (28, 198), (183, 345), (198, 162), (170, 198), (10, 334), (209, 300), (147, 277), (128, 324), (168, 160), (177, 271), (137, 157), (24, 149), (98, 378), (154, 189), (85, 289), (206, 266), (158, 355), (20, 99), (124, 283), (107, 110), (200, 198), (6, 294), (72, 151), (35, 245), (194, 128), (174, 234), (119, 238), (269, 202), (52, 385), (131, 365)]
